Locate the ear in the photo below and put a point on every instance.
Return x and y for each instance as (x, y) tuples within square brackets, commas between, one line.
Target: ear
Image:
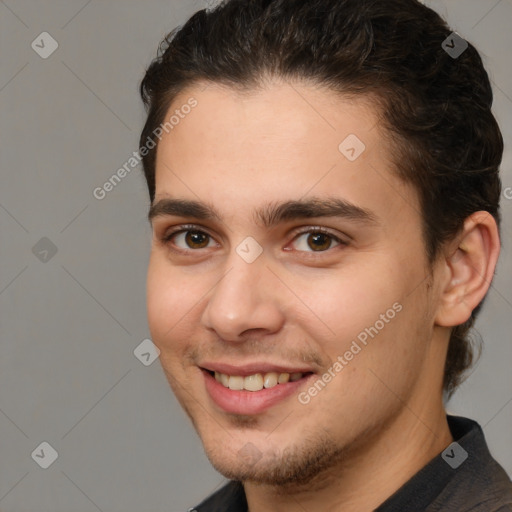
[(468, 266)]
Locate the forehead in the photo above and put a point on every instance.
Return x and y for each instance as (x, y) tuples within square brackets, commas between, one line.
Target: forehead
[(284, 141), (294, 115)]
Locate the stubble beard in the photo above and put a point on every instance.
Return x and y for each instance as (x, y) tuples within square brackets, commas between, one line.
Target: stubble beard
[(307, 465)]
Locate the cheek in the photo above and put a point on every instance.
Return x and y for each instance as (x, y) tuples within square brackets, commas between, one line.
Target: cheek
[(346, 302), (170, 300), (372, 318)]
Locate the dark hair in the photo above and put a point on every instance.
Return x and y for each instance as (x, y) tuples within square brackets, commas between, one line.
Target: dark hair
[(436, 108)]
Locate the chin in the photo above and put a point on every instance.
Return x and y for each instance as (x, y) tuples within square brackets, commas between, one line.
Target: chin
[(262, 463)]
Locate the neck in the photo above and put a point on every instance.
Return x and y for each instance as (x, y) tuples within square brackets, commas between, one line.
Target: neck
[(369, 473)]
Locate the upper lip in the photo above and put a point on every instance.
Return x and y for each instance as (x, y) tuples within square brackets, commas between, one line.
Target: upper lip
[(243, 370)]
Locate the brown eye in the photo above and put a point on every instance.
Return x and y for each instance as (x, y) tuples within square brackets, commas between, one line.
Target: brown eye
[(196, 239), (319, 241), (186, 239), (315, 240)]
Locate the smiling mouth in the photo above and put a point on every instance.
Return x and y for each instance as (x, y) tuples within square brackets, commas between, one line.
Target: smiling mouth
[(257, 381)]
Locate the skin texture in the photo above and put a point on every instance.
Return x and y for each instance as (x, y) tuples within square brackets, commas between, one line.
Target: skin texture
[(381, 418)]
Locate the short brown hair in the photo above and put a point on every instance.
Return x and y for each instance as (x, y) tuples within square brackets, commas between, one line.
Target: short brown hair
[(436, 108)]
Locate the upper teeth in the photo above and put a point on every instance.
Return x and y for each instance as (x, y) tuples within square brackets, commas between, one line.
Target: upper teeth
[(255, 382)]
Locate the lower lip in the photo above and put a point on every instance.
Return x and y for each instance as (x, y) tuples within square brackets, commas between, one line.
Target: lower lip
[(249, 402)]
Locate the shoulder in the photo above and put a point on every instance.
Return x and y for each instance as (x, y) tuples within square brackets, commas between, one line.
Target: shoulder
[(479, 484)]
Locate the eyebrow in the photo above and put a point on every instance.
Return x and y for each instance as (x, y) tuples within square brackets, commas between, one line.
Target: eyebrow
[(270, 214)]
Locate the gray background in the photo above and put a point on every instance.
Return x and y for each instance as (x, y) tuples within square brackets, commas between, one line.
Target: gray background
[(69, 325)]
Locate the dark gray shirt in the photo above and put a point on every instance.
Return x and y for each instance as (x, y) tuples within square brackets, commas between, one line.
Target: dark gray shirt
[(463, 478)]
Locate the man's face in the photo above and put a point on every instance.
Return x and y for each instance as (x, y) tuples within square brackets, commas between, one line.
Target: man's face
[(260, 290)]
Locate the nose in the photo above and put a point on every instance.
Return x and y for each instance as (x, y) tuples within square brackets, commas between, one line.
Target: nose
[(244, 301)]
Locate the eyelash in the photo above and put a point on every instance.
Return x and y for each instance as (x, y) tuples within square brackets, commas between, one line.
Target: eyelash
[(167, 237)]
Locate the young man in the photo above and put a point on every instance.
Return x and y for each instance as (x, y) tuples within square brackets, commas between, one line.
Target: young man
[(324, 196)]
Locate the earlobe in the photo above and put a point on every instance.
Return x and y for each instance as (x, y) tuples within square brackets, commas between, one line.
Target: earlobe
[(469, 263)]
